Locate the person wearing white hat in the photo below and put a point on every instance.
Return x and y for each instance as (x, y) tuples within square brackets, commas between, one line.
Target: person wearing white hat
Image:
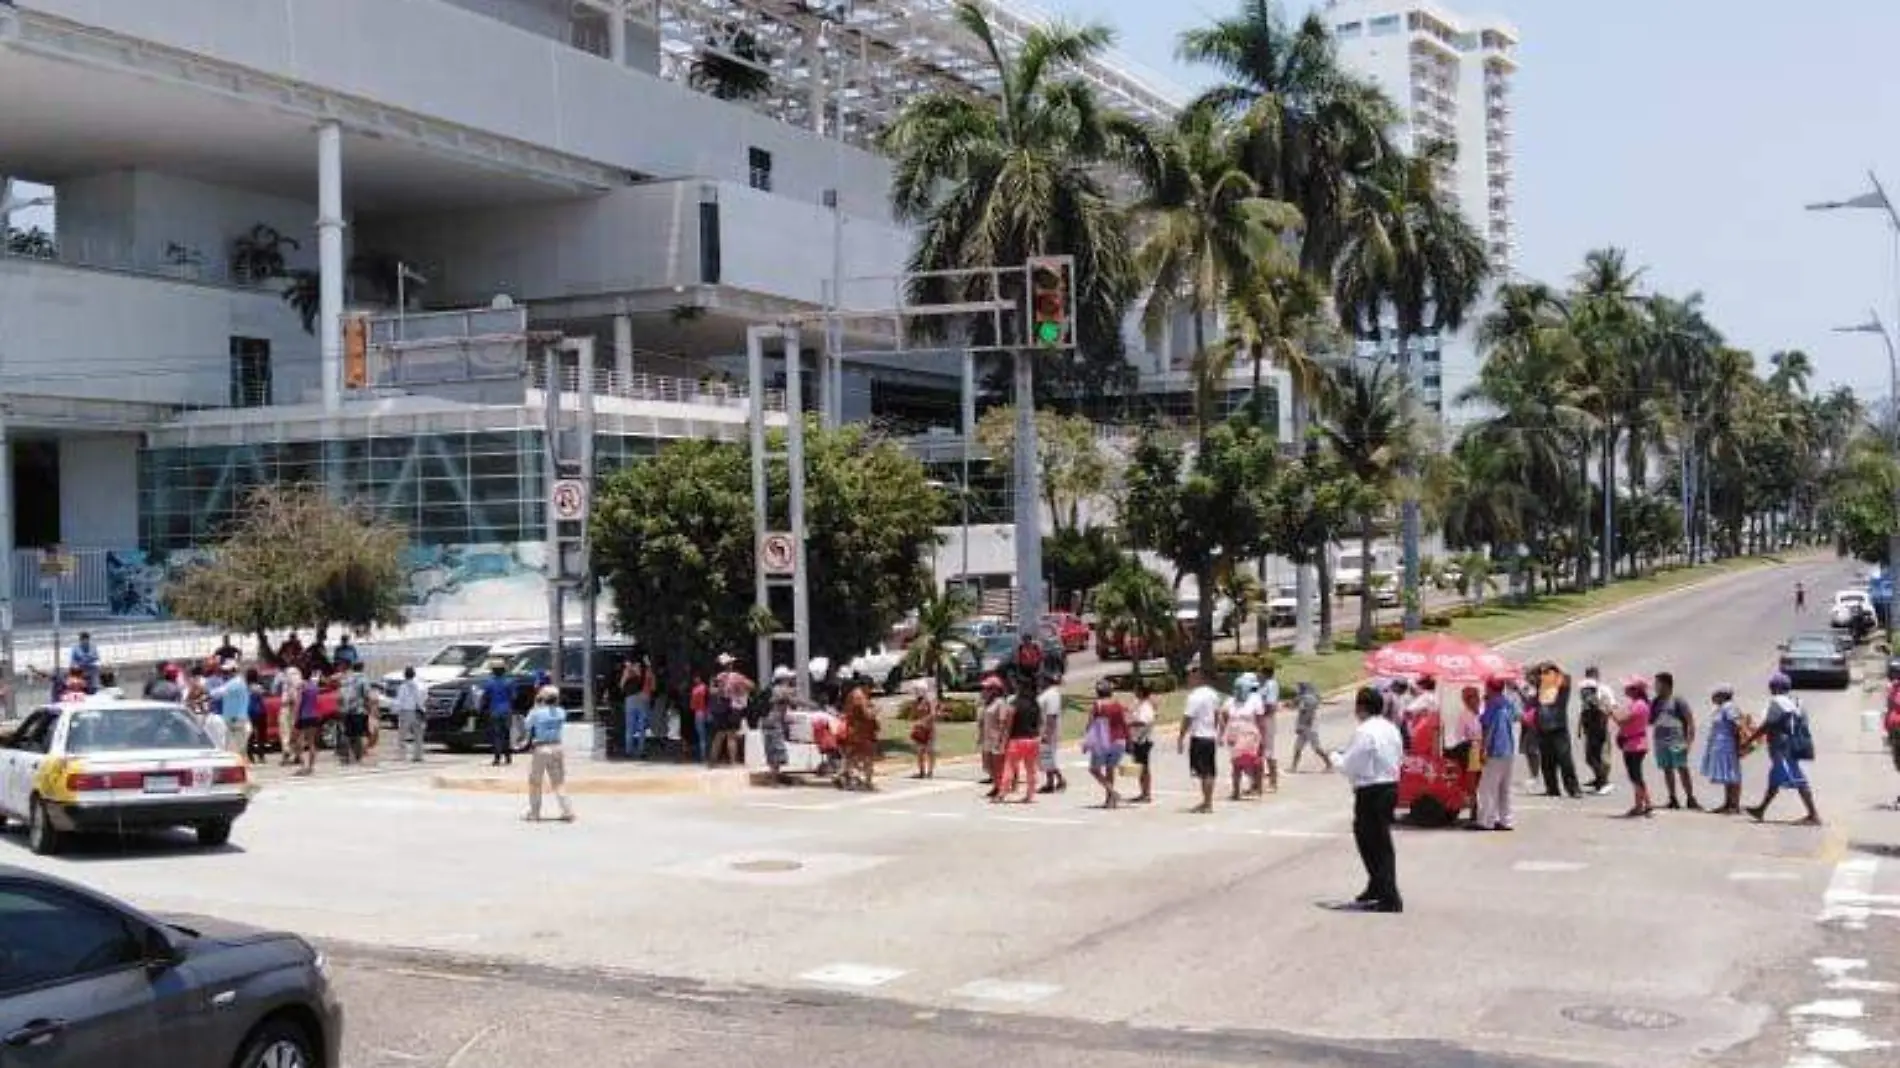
[(548, 760)]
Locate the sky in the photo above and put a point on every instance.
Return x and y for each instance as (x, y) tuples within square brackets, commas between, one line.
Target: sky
[(1691, 133)]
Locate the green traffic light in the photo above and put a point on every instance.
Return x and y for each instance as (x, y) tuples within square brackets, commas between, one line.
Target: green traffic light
[(1049, 332)]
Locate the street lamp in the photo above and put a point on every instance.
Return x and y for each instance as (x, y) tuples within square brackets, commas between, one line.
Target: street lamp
[(1873, 325)]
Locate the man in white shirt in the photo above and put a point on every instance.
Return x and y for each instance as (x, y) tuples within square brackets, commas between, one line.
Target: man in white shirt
[(1049, 748), (1200, 726), (1371, 764), (410, 723)]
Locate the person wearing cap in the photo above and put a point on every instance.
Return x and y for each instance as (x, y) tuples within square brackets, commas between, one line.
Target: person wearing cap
[(994, 728), (1632, 740), (1497, 726), (1780, 726), (233, 696), (1049, 752), (1594, 701), (1105, 740), (924, 712), (1722, 754), (547, 762), (775, 725), (497, 694)]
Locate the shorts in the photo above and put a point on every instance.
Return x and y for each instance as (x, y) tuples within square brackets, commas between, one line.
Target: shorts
[(1201, 753), (1782, 772), (1022, 750), (1046, 756), (1246, 761), (1893, 743), (1672, 757), (1107, 759), (355, 724), (1139, 752)]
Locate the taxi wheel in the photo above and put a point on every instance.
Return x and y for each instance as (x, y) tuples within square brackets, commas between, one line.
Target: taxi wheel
[(41, 836), (215, 833)]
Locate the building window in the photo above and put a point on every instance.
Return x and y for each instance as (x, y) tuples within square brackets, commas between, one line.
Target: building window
[(1348, 29), (759, 169), (709, 251), (1383, 25), (250, 372)]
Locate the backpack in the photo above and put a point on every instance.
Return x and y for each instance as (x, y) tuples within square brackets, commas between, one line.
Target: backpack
[(1800, 738)]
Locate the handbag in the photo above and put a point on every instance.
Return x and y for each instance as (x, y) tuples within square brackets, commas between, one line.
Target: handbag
[(1095, 737)]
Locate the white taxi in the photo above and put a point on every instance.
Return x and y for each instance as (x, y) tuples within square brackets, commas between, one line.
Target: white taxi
[(111, 765)]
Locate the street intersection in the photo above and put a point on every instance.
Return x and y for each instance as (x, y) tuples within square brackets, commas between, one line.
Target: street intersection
[(702, 920)]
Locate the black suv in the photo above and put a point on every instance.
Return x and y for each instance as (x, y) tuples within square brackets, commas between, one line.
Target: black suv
[(456, 720)]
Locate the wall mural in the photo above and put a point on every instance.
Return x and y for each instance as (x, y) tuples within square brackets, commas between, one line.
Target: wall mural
[(494, 580)]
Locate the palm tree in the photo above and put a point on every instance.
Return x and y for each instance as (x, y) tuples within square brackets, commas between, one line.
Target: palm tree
[(1242, 589), (1685, 345), (1208, 229), (1606, 318), (1409, 249), (1792, 371), (1372, 431), (993, 182), (1139, 605), (934, 651)]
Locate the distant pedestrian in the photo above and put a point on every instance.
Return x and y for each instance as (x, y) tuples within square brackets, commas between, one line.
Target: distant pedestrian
[(1105, 740), (1790, 742), (289, 684), (1141, 741), (346, 655), (163, 685), (1023, 730), (1722, 753), (1498, 726), (1672, 723), (636, 688), (547, 761), (1049, 750), (1269, 729), (498, 706), (1371, 763), (1528, 739), (1553, 730), (1467, 753), (1632, 740), (1240, 732), (925, 710), (1028, 659), (227, 650), (356, 699), (109, 685), (860, 740), (1891, 723), (309, 725), (85, 660), (260, 717), (993, 729), (233, 696), (412, 723), (1306, 726), (1200, 736), (699, 706), (775, 724), (1594, 701), (1800, 597)]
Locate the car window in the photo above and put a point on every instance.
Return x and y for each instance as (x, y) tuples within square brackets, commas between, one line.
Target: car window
[(51, 937), (34, 735), (107, 730), (460, 656)]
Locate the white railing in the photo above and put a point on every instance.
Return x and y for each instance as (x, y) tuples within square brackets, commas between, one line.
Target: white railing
[(87, 591), (662, 388)]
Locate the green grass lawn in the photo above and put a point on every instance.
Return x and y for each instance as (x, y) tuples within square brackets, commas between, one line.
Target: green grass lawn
[(1496, 622)]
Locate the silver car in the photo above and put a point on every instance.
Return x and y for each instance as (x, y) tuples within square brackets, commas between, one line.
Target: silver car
[(88, 982)]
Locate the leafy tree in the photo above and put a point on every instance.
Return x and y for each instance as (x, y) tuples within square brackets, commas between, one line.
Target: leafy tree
[(1372, 431), (1138, 604), (1308, 505), (1075, 470), (992, 182), (1076, 561), (296, 558), (1201, 511), (933, 649), (1242, 589), (32, 241), (673, 538)]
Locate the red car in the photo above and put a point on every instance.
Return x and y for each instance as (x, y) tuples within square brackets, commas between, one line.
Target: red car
[(1069, 630), (1114, 645), (328, 718)]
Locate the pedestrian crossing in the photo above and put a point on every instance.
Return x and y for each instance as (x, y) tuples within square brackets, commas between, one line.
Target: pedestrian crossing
[(1852, 1015)]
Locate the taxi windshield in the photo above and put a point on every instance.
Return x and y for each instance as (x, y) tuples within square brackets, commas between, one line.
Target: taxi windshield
[(110, 730)]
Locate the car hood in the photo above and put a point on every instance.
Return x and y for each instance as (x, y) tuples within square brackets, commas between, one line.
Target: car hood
[(428, 674), (222, 932)]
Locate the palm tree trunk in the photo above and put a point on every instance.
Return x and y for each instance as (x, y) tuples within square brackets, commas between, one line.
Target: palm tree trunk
[(1365, 581), (1203, 391), (1606, 552), (1583, 514), (1304, 584), (1263, 627), (1204, 619), (1323, 569)]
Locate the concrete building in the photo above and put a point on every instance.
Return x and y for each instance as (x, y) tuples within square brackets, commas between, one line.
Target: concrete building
[(233, 180), (1451, 75)]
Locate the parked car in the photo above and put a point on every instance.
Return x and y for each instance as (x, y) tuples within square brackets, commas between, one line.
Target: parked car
[(1069, 629), (454, 718), (1814, 660), (452, 661), (109, 765), (1114, 644), (1847, 605), (87, 980), (1187, 613), (1283, 608), (329, 717)]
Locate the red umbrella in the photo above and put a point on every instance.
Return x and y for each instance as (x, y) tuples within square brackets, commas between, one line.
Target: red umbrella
[(1441, 656)]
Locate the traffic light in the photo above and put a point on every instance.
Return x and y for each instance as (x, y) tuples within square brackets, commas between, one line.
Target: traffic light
[(1049, 322)]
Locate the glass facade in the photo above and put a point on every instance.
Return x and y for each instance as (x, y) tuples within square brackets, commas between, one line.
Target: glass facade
[(454, 488)]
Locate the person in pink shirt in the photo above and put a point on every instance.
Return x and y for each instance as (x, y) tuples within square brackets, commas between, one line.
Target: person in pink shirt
[(1632, 738)]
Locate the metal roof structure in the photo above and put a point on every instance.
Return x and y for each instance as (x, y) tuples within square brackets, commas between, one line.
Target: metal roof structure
[(848, 66)]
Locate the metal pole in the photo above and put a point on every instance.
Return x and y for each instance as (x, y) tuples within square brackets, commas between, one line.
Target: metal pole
[(831, 369), (330, 261), (1029, 603), (584, 351), (795, 476), (402, 297), (969, 435), (551, 466), (1408, 517), (755, 376), (6, 567)]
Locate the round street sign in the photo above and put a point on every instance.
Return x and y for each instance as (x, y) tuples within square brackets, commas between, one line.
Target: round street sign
[(778, 555), (569, 500)]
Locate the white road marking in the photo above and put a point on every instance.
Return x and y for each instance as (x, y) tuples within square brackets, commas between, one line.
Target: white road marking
[(1812, 1060), (1843, 1040), (1832, 1008), (1838, 966), (1852, 883), (1305, 834), (1005, 991), (1864, 986), (1044, 821), (943, 815), (862, 976), (781, 806), (1550, 867), (1763, 877)]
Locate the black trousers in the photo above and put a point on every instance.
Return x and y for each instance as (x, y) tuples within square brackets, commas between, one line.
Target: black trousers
[(1596, 742), (1372, 811), (1553, 754)]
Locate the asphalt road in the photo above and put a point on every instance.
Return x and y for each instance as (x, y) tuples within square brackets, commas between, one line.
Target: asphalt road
[(919, 926)]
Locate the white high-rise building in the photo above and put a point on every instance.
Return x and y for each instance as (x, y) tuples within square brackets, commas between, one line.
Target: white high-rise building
[(1451, 76)]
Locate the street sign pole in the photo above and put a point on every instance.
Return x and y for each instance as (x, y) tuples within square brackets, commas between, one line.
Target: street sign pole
[(551, 467), (795, 461), (6, 564)]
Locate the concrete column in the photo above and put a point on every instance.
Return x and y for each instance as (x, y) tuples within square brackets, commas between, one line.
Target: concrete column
[(617, 33), (623, 349), (330, 260)]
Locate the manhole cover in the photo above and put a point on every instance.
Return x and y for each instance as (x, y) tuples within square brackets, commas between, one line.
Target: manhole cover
[(1622, 1017), (766, 867)]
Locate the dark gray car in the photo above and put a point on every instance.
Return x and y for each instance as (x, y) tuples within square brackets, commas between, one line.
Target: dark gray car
[(88, 982)]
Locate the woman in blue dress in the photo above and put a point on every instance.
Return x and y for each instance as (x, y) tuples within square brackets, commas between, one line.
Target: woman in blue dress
[(1722, 755), (1784, 721)]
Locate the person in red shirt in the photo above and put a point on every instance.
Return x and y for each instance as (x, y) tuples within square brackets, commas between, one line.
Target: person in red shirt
[(698, 701), (1892, 722), (1105, 739)]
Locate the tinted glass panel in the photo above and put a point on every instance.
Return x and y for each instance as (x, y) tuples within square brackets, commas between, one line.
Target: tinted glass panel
[(50, 938)]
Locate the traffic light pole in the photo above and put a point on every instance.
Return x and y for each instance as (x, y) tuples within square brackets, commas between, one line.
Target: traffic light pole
[(1027, 479)]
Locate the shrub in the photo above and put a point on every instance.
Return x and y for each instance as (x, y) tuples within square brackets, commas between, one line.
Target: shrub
[(1388, 632), (1158, 682), (1436, 621), (1240, 663), (955, 710)]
